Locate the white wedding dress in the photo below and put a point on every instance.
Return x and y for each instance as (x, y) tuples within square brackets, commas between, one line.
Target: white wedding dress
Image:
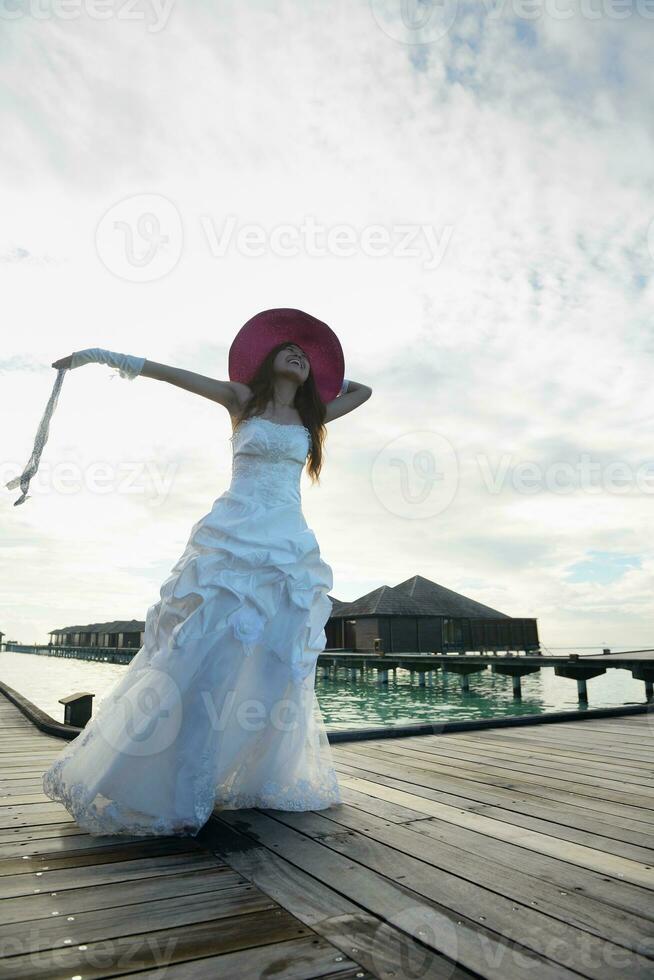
[(218, 708)]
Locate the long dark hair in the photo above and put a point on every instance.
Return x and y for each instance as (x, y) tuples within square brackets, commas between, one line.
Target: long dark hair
[(308, 403)]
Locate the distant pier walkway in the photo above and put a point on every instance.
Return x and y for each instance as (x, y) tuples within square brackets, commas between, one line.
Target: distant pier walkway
[(423, 667), (521, 851)]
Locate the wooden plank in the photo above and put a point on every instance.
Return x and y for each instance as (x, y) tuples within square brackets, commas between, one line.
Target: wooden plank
[(113, 895), (640, 805), (515, 756), (453, 917), (49, 932), (11, 839), (67, 853), (630, 898), (427, 869), (478, 789), (524, 923), (483, 762), (296, 959), (578, 748), (105, 887), (617, 747), (617, 724), (562, 888), (586, 857), (69, 898), (189, 948), (379, 946), (531, 818)]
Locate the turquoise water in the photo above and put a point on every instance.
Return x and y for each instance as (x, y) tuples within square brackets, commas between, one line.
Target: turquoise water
[(355, 703)]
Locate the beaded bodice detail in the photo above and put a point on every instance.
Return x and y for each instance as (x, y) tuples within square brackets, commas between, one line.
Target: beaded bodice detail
[(268, 458)]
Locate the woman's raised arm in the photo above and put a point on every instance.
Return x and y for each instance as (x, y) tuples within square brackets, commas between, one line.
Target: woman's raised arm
[(355, 394), (224, 392)]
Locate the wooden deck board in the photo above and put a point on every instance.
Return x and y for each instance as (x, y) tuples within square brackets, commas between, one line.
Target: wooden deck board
[(555, 851), (75, 904), (503, 853), (641, 793)]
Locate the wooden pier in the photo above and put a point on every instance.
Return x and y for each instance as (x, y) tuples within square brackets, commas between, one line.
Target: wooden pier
[(79, 906), (640, 663), (514, 852), (423, 666)]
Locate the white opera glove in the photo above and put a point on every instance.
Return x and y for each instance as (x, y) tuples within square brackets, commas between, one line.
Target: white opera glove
[(343, 387), (128, 366)]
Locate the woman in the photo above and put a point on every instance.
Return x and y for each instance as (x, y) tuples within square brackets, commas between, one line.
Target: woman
[(218, 708)]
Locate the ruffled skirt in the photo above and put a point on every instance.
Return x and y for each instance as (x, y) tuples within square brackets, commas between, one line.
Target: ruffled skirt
[(218, 707)]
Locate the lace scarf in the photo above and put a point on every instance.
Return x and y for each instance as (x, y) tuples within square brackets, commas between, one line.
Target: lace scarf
[(39, 441)]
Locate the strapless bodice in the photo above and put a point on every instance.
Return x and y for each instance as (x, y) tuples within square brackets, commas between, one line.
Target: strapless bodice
[(268, 459)]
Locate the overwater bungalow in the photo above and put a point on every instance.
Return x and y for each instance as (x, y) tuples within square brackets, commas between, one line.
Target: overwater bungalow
[(416, 616)]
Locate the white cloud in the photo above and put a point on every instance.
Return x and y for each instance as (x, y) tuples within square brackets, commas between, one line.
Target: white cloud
[(531, 338)]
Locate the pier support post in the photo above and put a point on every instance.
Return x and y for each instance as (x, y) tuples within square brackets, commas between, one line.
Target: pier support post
[(464, 670), (645, 672), (581, 673), (515, 672)]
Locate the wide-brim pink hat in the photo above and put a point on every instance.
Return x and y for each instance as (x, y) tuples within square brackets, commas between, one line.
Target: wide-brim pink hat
[(265, 330)]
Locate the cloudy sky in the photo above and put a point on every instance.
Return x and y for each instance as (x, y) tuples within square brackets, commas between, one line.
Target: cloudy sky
[(463, 192)]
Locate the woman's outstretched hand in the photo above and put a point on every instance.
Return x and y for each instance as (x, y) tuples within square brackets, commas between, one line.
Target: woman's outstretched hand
[(63, 362)]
